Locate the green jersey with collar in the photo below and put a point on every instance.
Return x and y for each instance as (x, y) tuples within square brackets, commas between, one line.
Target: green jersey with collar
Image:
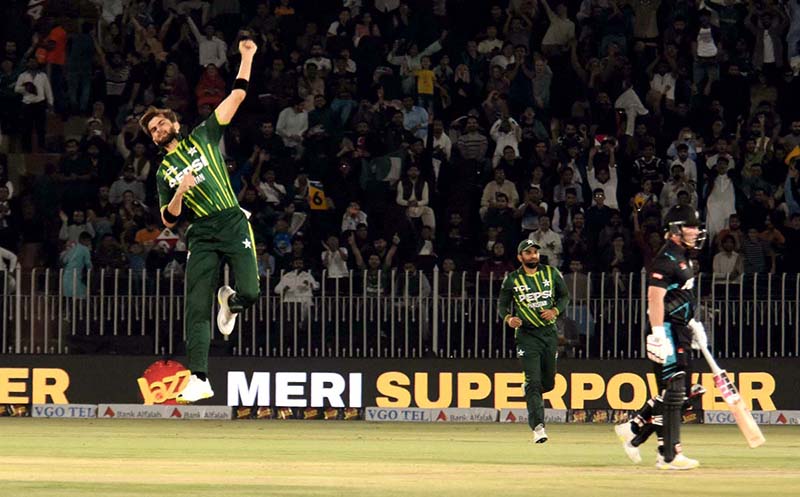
[(531, 293), (199, 154)]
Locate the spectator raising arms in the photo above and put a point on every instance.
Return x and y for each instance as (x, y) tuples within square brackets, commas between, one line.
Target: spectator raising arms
[(520, 118)]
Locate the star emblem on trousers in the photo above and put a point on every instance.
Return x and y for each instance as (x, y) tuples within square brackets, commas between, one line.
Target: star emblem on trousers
[(247, 243)]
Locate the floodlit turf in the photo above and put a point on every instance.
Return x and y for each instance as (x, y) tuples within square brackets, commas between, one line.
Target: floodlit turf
[(113, 458)]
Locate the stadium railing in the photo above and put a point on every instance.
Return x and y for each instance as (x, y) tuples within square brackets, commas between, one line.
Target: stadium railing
[(380, 315)]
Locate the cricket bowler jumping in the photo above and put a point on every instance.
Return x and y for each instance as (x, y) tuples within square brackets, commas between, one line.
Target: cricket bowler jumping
[(192, 180)]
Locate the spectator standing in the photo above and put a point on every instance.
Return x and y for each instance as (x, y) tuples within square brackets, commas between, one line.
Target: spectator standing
[(37, 96), (76, 259)]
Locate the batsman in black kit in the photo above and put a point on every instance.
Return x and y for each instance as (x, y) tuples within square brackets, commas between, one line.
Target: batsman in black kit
[(674, 331)]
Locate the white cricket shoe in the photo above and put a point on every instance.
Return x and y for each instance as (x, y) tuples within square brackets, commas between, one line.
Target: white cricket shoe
[(226, 319), (625, 434), (539, 436), (195, 390), (680, 463)]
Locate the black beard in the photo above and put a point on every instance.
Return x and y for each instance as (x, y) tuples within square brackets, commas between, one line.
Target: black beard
[(167, 139), (531, 264)]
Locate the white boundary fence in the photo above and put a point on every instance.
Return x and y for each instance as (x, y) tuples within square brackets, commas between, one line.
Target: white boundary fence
[(384, 314)]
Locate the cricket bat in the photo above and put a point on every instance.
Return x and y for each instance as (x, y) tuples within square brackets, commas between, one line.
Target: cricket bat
[(747, 425)]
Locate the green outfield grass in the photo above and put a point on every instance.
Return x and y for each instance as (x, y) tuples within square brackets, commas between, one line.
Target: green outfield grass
[(57, 458)]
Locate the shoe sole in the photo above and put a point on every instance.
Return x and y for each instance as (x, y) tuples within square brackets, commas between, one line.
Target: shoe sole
[(540, 441), (622, 438), (219, 301), (634, 459), (669, 467)]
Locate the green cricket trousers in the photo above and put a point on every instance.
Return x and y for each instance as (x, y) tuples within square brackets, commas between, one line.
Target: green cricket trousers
[(225, 236), (537, 350)]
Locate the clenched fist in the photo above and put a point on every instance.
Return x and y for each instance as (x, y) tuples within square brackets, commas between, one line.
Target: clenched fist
[(514, 322), (247, 48), (187, 183)]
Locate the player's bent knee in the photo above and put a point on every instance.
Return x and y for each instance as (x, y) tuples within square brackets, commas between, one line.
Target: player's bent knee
[(548, 385), (246, 298)]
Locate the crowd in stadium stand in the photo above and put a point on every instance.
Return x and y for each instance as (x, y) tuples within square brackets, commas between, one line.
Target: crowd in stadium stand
[(412, 134)]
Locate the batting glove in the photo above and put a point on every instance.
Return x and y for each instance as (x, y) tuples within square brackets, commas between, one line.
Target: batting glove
[(699, 337), (658, 346)]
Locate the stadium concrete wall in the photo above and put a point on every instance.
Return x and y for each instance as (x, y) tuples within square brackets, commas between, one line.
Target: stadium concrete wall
[(766, 385)]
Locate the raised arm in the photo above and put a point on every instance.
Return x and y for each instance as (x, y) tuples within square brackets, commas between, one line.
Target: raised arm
[(98, 48), (193, 27), (228, 107), (387, 263), (162, 33), (547, 9), (576, 64), (351, 241), (507, 24), (435, 46)]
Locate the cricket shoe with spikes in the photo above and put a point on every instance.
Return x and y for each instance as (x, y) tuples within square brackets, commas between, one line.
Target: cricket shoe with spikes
[(226, 319), (679, 463), (626, 435), (195, 390), (539, 435)]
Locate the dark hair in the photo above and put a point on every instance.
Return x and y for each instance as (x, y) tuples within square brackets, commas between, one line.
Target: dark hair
[(153, 112), (571, 191)]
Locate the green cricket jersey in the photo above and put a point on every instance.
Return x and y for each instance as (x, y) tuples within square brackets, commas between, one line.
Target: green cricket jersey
[(544, 289), (198, 153)]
